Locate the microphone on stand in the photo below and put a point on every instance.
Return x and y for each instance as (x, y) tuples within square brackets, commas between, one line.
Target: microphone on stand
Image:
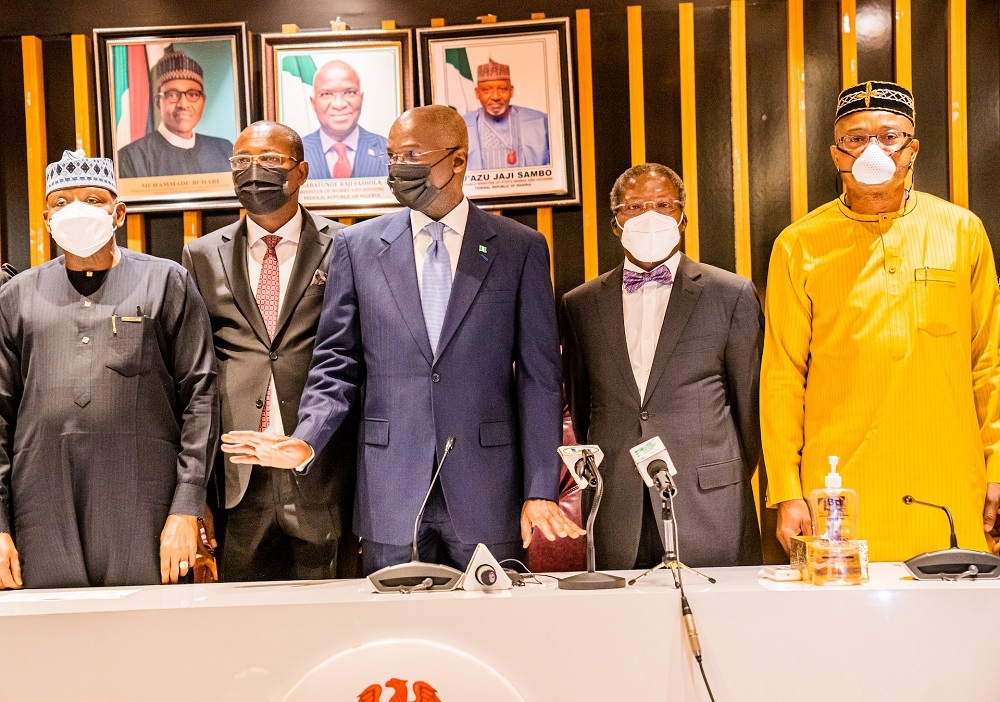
[(416, 575), (952, 563), (909, 500)]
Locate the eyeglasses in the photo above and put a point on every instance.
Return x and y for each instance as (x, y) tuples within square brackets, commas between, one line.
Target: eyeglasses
[(349, 94), (663, 207), (172, 96), (241, 162), (389, 157), (891, 141)]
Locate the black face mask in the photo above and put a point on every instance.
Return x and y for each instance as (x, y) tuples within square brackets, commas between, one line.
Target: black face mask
[(409, 183), (262, 190)]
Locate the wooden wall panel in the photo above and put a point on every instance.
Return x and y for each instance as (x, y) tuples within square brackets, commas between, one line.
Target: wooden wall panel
[(715, 140)]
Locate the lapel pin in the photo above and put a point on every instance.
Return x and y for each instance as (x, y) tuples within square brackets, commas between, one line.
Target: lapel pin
[(483, 248)]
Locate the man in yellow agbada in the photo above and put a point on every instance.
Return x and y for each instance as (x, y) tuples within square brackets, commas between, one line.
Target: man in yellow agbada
[(881, 346)]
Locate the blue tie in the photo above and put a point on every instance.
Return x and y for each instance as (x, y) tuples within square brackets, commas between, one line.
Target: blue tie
[(436, 284)]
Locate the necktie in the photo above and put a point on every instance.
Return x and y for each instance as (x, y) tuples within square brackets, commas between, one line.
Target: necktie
[(436, 284), (632, 280), (268, 290), (342, 166)]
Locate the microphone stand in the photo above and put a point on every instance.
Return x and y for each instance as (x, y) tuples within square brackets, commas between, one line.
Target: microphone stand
[(591, 580), (671, 557)]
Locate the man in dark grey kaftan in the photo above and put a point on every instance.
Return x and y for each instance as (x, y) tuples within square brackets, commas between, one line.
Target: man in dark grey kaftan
[(108, 410)]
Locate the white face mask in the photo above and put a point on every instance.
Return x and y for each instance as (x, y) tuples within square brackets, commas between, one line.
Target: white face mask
[(81, 229), (874, 166), (651, 236)]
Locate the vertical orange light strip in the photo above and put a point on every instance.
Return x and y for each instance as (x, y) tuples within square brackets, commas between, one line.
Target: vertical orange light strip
[(588, 159), (848, 43), (904, 60), (741, 150), (544, 225), (799, 179), (34, 117), (689, 142), (192, 226), (135, 229), (82, 92), (958, 127), (636, 94)]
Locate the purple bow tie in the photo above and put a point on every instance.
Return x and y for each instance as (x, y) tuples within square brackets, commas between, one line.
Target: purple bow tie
[(632, 280)]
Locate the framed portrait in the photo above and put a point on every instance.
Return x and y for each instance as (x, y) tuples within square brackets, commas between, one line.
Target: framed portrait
[(513, 84), (341, 91), (171, 102)]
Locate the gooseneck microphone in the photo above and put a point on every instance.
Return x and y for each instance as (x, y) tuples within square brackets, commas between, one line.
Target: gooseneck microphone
[(909, 500), (952, 563), (418, 576), (448, 446)]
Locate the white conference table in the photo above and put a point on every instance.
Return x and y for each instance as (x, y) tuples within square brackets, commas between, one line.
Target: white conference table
[(891, 639)]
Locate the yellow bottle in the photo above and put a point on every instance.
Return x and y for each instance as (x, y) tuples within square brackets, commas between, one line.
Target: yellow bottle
[(836, 559)]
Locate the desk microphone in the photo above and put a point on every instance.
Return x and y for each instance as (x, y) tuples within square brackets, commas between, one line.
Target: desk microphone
[(952, 563), (418, 576), (909, 500)]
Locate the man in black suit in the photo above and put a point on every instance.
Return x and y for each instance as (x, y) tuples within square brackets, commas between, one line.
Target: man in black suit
[(665, 346), (263, 280)]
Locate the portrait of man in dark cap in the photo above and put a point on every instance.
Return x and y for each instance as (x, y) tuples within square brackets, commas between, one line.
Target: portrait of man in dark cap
[(174, 147)]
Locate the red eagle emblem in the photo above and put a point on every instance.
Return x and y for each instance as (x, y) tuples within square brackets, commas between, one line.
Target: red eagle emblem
[(422, 692)]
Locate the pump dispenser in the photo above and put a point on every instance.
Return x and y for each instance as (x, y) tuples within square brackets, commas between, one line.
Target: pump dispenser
[(836, 559)]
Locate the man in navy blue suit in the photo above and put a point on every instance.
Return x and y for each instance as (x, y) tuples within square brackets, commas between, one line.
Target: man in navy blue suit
[(341, 148), (445, 315)]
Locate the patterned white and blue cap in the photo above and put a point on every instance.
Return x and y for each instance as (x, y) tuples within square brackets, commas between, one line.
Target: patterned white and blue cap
[(75, 170)]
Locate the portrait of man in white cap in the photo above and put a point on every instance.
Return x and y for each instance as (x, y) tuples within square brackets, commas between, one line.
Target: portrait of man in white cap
[(174, 148), (502, 135)]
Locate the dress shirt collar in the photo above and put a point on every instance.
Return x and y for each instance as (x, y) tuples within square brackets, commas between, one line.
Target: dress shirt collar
[(351, 141), (289, 231), (178, 141), (454, 220), (671, 263)]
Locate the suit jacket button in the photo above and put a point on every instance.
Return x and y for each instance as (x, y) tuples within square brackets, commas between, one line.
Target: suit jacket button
[(644, 416), (274, 356), (435, 377), (260, 404)]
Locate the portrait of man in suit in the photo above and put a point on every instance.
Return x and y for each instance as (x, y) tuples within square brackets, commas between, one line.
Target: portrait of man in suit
[(341, 148), (502, 135), (665, 346), (263, 280), (444, 315)]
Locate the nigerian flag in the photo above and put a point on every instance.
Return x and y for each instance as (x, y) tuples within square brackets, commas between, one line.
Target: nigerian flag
[(459, 84), (296, 90)]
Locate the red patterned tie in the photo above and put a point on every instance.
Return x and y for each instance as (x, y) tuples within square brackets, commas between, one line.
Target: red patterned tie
[(342, 167), (268, 290)]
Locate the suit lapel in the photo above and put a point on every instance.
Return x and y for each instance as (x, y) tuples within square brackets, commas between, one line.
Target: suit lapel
[(234, 261), (472, 269), (683, 298), (400, 270), (612, 314), (313, 245)]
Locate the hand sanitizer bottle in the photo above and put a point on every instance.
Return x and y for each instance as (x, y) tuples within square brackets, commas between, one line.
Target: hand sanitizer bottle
[(836, 560)]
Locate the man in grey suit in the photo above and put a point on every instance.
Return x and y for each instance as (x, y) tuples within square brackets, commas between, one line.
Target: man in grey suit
[(263, 280), (342, 148), (666, 346)]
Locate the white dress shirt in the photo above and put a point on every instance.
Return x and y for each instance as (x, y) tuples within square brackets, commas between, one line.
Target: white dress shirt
[(644, 310), (285, 251), (350, 141), (175, 139), (454, 230)]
